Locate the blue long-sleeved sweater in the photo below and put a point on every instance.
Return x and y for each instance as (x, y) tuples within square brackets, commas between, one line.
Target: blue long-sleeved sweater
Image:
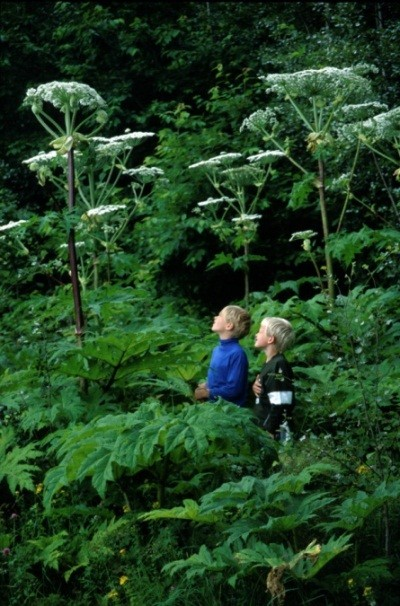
[(228, 372)]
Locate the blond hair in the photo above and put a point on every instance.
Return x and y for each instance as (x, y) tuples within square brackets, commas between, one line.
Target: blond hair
[(240, 319), (282, 330)]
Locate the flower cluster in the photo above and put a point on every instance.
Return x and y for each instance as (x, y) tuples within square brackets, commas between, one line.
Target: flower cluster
[(41, 158), (221, 160), (382, 127), (62, 95), (44, 161), (144, 173), (115, 145), (215, 201), (245, 218), (362, 111), (302, 235), (12, 224), (260, 120), (104, 210), (329, 83), (268, 156)]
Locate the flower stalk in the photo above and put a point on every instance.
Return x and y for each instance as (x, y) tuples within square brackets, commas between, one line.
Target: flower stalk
[(76, 293)]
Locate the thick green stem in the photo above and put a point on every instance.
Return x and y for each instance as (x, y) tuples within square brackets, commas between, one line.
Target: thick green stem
[(79, 318), (246, 275), (325, 228)]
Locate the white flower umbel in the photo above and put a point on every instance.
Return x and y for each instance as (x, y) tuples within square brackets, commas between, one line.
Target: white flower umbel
[(44, 160), (41, 158), (302, 235), (144, 173), (70, 98), (362, 111), (64, 94), (116, 145), (260, 120), (12, 224), (104, 210), (266, 156), (329, 83), (245, 218), (221, 160), (383, 127), (210, 201)]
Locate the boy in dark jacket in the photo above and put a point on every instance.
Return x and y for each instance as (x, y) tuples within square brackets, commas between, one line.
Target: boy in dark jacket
[(273, 387)]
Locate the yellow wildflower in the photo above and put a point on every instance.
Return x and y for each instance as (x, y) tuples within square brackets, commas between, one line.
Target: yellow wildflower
[(122, 551), (122, 580), (367, 592), (112, 595), (39, 488), (363, 469)]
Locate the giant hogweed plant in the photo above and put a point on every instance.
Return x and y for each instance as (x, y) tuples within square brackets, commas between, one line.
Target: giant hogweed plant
[(69, 98), (91, 168), (337, 110), (241, 186)]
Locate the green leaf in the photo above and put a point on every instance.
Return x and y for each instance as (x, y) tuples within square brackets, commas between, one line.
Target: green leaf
[(13, 463)]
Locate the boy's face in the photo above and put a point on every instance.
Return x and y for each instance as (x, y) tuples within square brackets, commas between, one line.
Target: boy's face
[(221, 326), (261, 340)]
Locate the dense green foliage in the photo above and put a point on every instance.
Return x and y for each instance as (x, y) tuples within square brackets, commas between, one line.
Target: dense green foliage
[(282, 121)]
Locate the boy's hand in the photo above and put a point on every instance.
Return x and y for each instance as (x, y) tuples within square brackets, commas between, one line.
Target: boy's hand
[(257, 387), (201, 392)]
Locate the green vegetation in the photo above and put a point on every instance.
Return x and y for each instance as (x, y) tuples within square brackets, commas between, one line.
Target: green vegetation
[(161, 160)]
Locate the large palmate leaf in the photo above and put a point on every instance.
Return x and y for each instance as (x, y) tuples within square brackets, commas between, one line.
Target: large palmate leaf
[(14, 461), (192, 439)]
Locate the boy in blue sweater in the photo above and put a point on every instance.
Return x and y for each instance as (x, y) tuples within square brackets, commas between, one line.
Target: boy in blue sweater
[(227, 375)]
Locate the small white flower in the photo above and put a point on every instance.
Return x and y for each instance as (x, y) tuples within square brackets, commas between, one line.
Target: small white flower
[(79, 244)]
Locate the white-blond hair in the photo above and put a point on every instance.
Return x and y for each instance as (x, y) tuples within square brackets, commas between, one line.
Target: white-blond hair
[(281, 329), (240, 319)]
